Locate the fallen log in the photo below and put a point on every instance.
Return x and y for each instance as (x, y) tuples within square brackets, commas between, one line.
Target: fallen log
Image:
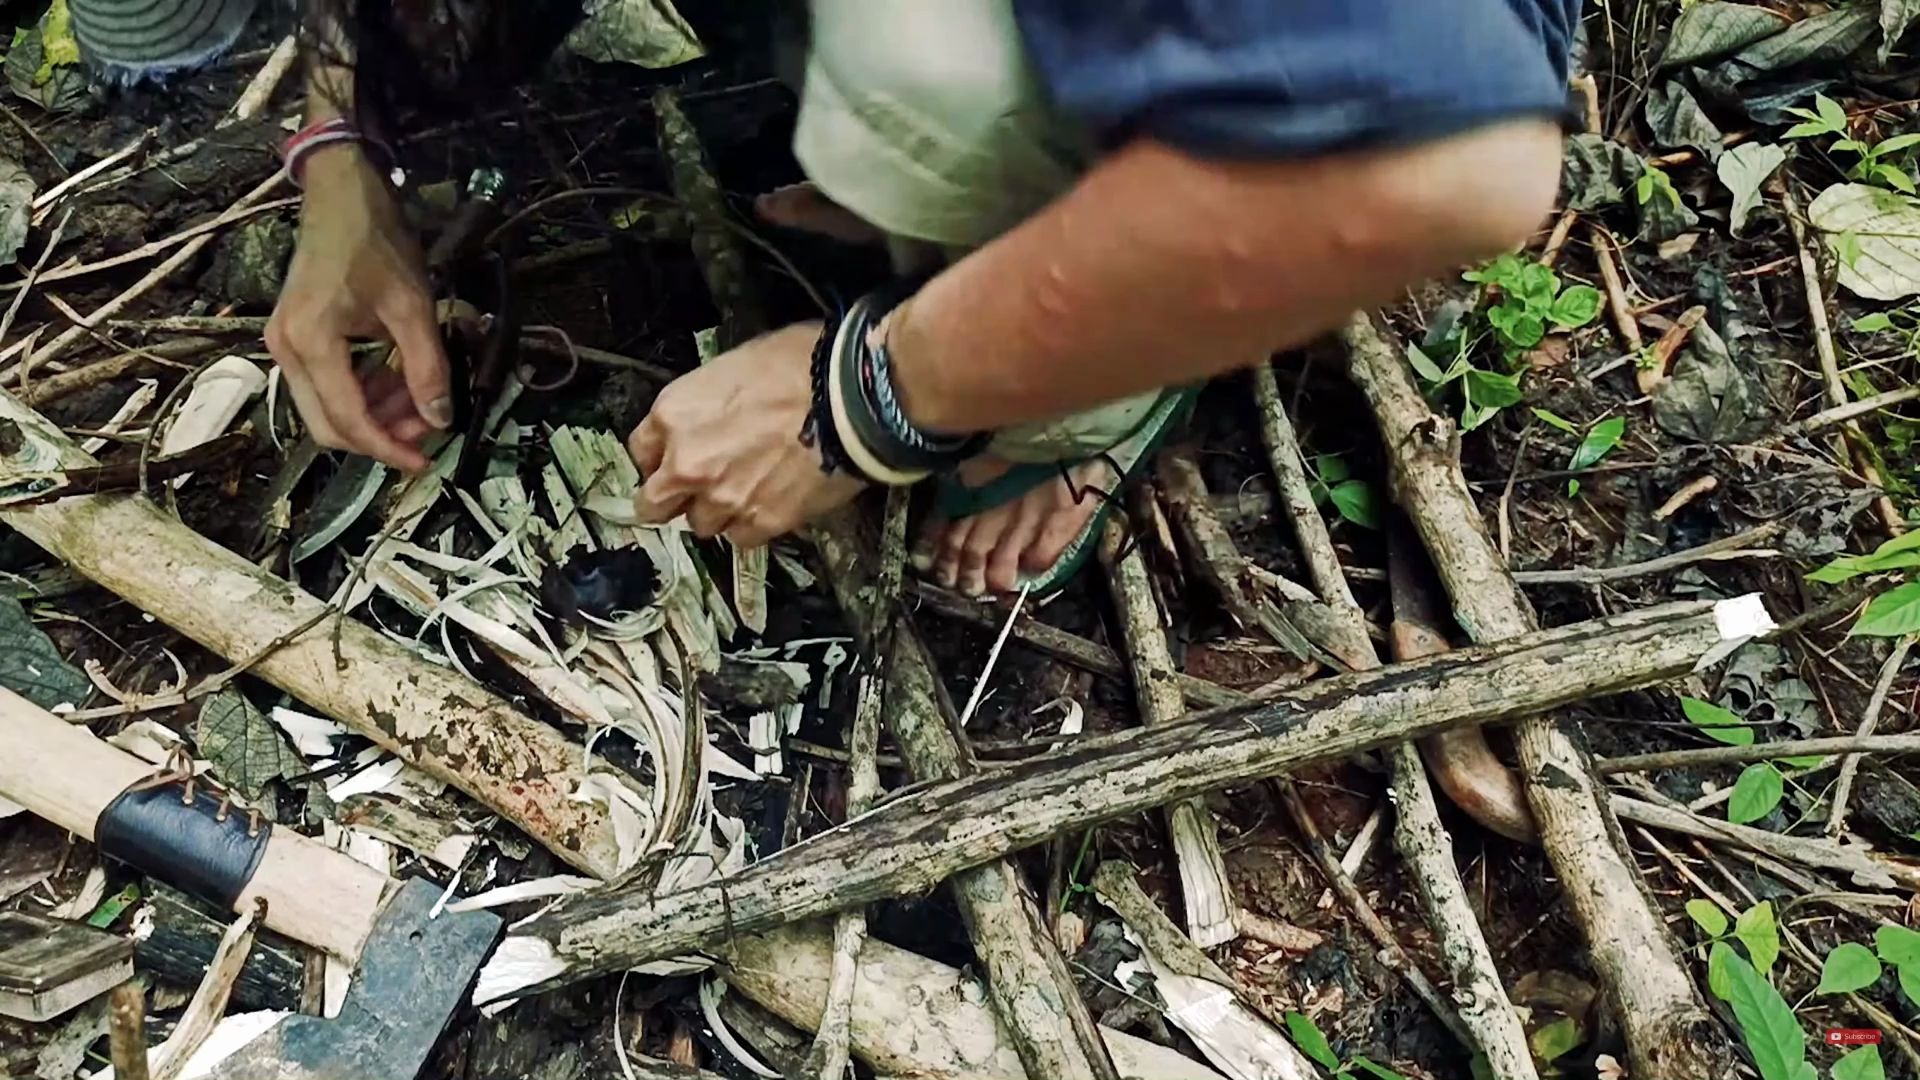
[(1668, 1032), (918, 840), (433, 717)]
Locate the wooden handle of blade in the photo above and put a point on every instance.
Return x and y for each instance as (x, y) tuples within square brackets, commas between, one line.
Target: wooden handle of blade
[(64, 774)]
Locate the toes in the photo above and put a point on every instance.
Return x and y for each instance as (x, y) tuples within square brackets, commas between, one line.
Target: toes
[(982, 539), (946, 559), (927, 544), (1003, 565)]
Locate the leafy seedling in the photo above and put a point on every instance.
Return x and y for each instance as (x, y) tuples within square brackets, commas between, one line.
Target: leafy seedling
[(1873, 164), (1758, 790), (1307, 1036), (1848, 967), (1896, 612), (1767, 1024), (1352, 498), (1526, 300)]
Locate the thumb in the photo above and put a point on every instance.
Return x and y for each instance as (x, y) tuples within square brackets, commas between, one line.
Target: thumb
[(423, 359)]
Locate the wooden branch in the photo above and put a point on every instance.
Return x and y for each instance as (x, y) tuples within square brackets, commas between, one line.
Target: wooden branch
[(913, 1016), (434, 717), (209, 1002), (1844, 414), (1857, 864), (1195, 835), (917, 840), (1061, 645), (127, 1031), (1668, 1032), (125, 475), (1850, 764), (1767, 751), (1618, 307), (54, 387), (1727, 547), (1028, 980)]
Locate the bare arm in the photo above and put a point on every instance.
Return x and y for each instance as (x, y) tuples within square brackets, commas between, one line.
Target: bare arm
[(1159, 268)]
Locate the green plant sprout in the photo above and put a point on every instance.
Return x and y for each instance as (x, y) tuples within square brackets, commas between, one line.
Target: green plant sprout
[(1653, 182), (1598, 441), (1873, 166), (1307, 1036), (1352, 498)]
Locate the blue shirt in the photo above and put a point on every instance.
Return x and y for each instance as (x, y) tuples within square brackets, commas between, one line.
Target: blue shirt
[(1277, 78)]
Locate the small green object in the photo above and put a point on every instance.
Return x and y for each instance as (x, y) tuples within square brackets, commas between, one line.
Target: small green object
[(1771, 1031), (1897, 945), (113, 907), (1893, 613), (1601, 438), (1717, 723), (1306, 1035), (486, 183), (1756, 929), (1708, 916), (1862, 1063), (1849, 967), (1556, 1040), (1756, 793)]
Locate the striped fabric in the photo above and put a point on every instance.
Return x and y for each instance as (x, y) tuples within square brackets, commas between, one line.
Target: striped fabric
[(134, 39)]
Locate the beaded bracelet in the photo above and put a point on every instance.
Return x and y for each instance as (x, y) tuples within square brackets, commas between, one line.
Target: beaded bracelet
[(302, 144)]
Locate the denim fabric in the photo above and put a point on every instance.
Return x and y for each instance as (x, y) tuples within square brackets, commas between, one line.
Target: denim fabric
[(1273, 78)]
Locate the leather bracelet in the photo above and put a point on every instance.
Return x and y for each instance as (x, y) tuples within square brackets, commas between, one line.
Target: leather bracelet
[(871, 434)]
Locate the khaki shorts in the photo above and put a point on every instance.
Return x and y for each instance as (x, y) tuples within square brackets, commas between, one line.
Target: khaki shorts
[(925, 118)]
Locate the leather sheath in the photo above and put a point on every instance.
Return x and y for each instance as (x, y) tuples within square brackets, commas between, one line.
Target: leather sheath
[(186, 845)]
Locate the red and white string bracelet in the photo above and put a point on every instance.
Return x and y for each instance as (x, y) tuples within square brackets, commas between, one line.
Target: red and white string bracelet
[(316, 136)]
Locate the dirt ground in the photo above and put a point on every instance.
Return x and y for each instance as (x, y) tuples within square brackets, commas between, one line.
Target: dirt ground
[(628, 291)]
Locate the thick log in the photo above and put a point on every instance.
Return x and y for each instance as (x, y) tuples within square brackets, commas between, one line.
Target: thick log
[(435, 718), (1030, 984), (1668, 1031), (918, 840)]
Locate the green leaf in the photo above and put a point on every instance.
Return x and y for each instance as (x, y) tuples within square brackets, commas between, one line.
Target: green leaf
[(1707, 915), (1849, 967), (1719, 983), (1331, 467), (1897, 945), (1601, 438), (1492, 389), (1707, 29), (246, 749), (1909, 976), (1894, 613), (1894, 177), (1868, 324), (1306, 1035), (1886, 245), (1577, 306), (1424, 366), (1830, 112), (1378, 1072), (1555, 1040), (1573, 486), (1554, 419), (1756, 930), (1897, 143), (1357, 503), (1846, 248), (1804, 130), (1755, 794), (1717, 723), (31, 666), (1862, 1063), (1537, 286), (1504, 272), (1805, 761), (1767, 1025)]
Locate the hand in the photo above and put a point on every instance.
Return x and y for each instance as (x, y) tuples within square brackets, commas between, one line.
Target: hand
[(722, 445), (357, 274)]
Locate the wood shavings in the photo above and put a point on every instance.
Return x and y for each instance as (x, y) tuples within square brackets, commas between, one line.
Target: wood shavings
[(311, 735), (219, 394)]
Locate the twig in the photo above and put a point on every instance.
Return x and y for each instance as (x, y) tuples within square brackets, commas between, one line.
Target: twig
[(979, 691), (827, 1059), (1848, 413), (1392, 953), (1557, 239), (210, 1000), (1623, 321), (27, 130), (1850, 764), (1819, 854), (33, 275), (1836, 387), (1691, 490), (1651, 374), (188, 250), (148, 250), (260, 89), (54, 387), (1631, 950), (51, 195), (1767, 751), (1729, 547), (1195, 835), (127, 1031), (1061, 645)]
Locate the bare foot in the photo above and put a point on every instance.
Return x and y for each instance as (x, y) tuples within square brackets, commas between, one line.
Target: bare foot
[(803, 207), (989, 551)]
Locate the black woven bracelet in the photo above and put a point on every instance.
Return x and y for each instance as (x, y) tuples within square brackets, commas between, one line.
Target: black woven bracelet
[(863, 402)]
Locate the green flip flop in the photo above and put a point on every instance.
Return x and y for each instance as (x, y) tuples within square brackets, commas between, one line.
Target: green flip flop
[(955, 500)]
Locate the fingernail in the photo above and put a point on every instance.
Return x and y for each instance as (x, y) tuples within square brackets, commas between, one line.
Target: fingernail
[(946, 576), (922, 561), (439, 412)]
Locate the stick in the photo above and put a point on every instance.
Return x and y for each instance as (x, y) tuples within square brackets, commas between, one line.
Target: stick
[(146, 251), (827, 1059), (1061, 645), (435, 718), (1836, 387), (1686, 494), (33, 275), (127, 1031), (1767, 751), (1557, 239), (1623, 321), (1651, 374), (1665, 1025), (1028, 980), (1196, 837), (915, 841), (1114, 883), (54, 387), (1846, 414), (1819, 854), (209, 1002), (49, 196), (1850, 764), (260, 88), (1727, 547), (59, 345)]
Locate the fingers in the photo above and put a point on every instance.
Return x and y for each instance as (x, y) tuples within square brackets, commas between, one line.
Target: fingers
[(660, 499), (423, 356), (647, 444), (339, 396)]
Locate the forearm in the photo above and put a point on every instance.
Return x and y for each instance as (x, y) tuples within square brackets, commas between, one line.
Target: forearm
[(1160, 269)]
